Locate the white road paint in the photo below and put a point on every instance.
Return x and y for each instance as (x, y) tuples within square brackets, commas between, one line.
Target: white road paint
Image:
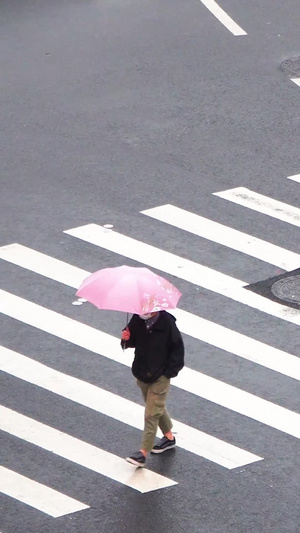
[(296, 177), (190, 324), (222, 16), (224, 235), (189, 380), (43, 264), (36, 495), (262, 204), (238, 344), (80, 452), (296, 80), (190, 271), (119, 408)]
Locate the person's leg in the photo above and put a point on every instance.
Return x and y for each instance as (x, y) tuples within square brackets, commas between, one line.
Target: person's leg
[(168, 440), (139, 458), (155, 395), (154, 411), (165, 425), (144, 388)]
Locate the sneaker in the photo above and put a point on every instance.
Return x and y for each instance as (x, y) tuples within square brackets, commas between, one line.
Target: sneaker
[(164, 445), (137, 459)]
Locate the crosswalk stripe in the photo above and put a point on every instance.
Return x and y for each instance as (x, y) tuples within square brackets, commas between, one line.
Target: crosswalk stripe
[(80, 452), (119, 408), (224, 235), (262, 204), (238, 344), (36, 495), (296, 177), (182, 268), (43, 264), (296, 80), (190, 324), (189, 380)]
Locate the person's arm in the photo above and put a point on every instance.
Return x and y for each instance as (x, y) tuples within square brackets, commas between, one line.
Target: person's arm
[(176, 354)]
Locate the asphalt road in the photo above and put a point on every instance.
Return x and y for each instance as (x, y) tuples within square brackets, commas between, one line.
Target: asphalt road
[(108, 108)]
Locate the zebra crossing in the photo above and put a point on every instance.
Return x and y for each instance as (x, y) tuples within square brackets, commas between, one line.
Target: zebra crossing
[(78, 451), (296, 177), (35, 494), (190, 324), (262, 204), (189, 380), (119, 408), (229, 237), (114, 406), (182, 268)]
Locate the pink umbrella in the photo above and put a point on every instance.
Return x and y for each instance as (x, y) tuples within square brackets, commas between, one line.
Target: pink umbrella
[(129, 289)]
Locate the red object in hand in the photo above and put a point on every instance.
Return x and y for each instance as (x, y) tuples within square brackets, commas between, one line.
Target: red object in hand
[(125, 334)]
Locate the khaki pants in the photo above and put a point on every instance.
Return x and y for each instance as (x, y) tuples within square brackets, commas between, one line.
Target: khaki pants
[(155, 395)]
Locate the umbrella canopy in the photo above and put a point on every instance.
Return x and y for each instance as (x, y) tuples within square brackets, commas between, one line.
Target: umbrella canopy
[(129, 289)]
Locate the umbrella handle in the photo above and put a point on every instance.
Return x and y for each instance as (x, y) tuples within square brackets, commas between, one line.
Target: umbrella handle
[(127, 317), (124, 345)]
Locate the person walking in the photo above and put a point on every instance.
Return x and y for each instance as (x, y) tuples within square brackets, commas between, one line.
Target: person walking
[(159, 356)]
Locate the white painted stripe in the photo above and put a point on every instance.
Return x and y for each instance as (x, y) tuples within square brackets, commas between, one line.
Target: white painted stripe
[(238, 344), (36, 495), (190, 380), (183, 268), (222, 16), (239, 401), (80, 452), (119, 408), (236, 240), (262, 204), (63, 327), (296, 80), (192, 325), (296, 177), (44, 265)]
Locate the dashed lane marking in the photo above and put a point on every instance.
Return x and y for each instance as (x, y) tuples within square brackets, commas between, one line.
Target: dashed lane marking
[(222, 17)]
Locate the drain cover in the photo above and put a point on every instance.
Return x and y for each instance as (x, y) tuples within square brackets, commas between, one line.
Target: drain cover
[(291, 66), (284, 289), (287, 289)]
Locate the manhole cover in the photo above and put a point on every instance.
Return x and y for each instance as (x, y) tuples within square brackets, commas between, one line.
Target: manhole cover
[(287, 289), (291, 66)]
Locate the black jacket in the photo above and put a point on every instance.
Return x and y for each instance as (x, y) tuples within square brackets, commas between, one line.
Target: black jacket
[(158, 351)]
